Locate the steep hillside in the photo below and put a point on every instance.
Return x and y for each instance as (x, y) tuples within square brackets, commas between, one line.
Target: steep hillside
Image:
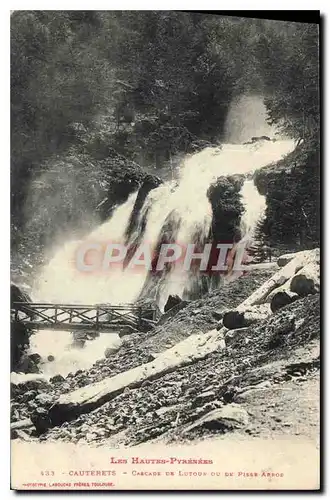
[(252, 380)]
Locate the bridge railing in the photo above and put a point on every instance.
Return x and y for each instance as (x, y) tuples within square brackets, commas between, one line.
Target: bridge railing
[(84, 316)]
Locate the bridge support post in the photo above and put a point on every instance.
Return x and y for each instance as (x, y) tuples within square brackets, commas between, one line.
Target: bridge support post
[(97, 318)]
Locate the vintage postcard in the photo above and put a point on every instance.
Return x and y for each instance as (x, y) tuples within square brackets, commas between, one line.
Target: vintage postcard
[(165, 251)]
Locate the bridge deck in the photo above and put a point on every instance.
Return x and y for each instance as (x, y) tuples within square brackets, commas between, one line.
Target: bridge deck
[(100, 317)]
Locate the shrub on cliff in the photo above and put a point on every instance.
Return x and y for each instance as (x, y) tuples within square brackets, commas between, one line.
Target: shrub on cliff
[(292, 190)]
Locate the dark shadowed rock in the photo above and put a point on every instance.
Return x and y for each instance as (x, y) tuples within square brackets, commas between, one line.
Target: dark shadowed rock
[(150, 182), (173, 311), (172, 301), (30, 385), (233, 320), (17, 295), (56, 379), (307, 281), (282, 299), (35, 357), (41, 420), (240, 319)]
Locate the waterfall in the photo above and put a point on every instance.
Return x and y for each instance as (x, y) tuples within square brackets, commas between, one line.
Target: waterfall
[(185, 203)]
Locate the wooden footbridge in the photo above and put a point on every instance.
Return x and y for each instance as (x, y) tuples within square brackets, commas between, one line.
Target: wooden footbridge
[(75, 317)]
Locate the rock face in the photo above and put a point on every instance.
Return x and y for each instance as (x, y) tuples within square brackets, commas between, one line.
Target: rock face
[(172, 301), (19, 335), (28, 363), (150, 182), (227, 208), (17, 295)]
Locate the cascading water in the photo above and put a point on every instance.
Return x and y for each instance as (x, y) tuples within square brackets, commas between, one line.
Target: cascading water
[(184, 201)]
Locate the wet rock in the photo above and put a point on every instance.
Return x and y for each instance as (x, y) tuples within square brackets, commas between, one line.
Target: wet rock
[(18, 295), (110, 351), (172, 312), (78, 343), (35, 357)]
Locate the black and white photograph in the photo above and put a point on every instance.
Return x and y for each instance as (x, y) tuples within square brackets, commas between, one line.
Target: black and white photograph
[(165, 208)]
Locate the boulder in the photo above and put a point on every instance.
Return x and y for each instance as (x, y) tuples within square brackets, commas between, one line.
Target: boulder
[(44, 400), (228, 417), (233, 320), (244, 318), (281, 277), (306, 281), (173, 311), (56, 379), (110, 351), (41, 420), (20, 341), (29, 363), (35, 357), (283, 260), (281, 299), (35, 384), (172, 301)]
